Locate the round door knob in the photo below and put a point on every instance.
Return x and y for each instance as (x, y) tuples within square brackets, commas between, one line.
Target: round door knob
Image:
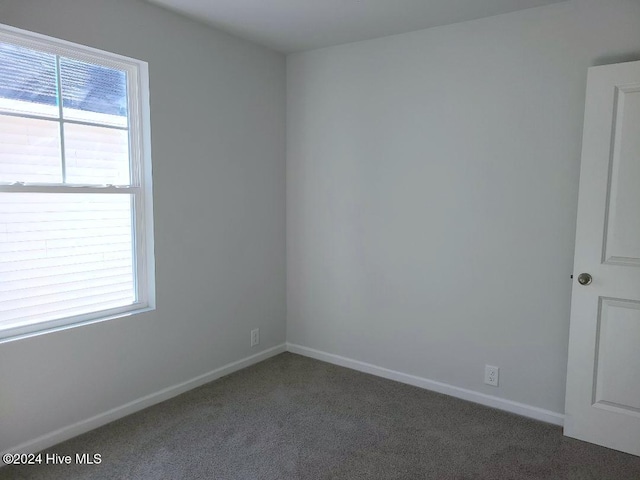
[(584, 279)]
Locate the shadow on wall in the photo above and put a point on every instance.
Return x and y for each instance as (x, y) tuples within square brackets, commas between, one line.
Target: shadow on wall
[(621, 58)]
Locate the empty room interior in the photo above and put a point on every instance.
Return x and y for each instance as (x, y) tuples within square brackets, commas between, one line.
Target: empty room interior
[(279, 239)]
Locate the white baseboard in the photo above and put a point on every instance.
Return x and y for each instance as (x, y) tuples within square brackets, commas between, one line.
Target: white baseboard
[(488, 400), (83, 426)]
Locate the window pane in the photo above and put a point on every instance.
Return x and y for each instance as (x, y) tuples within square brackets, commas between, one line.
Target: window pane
[(63, 255), (29, 150), (27, 81), (96, 155), (93, 93)]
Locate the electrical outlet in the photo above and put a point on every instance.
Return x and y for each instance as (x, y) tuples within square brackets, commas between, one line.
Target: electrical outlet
[(491, 375), (255, 337)]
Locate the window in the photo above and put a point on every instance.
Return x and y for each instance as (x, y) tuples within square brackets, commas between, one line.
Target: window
[(76, 239)]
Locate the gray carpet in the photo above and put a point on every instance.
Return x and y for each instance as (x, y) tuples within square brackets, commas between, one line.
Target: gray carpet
[(292, 417)]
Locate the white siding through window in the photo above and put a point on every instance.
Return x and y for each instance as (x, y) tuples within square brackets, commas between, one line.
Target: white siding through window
[(29, 150), (61, 257), (70, 254)]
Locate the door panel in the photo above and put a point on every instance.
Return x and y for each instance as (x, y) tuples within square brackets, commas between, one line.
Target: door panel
[(603, 375), (617, 384), (623, 199)]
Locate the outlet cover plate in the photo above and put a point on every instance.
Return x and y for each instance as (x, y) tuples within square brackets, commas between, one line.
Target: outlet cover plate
[(491, 375), (255, 337)]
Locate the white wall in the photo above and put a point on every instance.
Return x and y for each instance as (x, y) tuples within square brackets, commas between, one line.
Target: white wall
[(218, 121), (432, 183)]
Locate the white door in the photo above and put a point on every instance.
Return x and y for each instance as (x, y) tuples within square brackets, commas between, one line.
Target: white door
[(603, 377)]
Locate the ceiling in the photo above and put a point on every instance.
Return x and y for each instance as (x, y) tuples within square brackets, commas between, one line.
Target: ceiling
[(296, 25)]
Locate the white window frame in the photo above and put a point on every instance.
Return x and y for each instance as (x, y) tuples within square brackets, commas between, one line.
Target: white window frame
[(139, 127)]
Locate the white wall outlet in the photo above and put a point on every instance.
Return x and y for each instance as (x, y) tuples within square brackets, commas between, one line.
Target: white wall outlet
[(491, 375), (255, 337)]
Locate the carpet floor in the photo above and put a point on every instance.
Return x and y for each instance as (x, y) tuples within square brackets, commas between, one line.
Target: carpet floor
[(292, 417)]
